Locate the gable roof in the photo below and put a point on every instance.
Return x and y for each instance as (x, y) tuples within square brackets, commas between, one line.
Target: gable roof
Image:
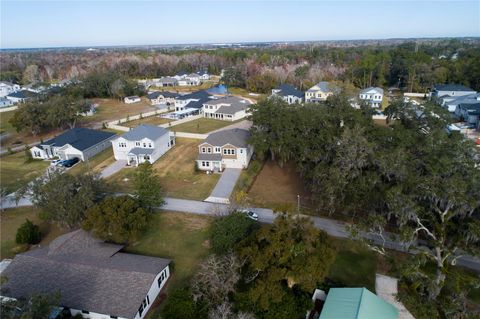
[(166, 79), (287, 89), (81, 138), (166, 94), (356, 303), (23, 94), (452, 87), (203, 94), (93, 279), (151, 132), (236, 137), (231, 104), (374, 89)]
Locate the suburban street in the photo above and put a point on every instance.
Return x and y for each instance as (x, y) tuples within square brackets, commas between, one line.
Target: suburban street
[(332, 227)]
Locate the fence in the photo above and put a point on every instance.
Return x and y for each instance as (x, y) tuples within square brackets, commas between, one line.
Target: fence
[(191, 135), (413, 94)]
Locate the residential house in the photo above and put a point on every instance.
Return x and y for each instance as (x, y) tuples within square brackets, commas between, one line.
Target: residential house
[(95, 279), (351, 303), (83, 143), (318, 93), (289, 94), (131, 99), (193, 100), (4, 102), (180, 75), (7, 88), (225, 149), (441, 91), (470, 113), (142, 143), (373, 96), (165, 81), (228, 108), (164, 97), (22, 96), (203, 75), (451, 102)]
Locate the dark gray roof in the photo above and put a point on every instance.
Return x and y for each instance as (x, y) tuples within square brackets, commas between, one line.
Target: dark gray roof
[(156, 94), (452, 87), (236, 137), (94, 276), (287, 89), (151, 132), (233, 104), (209, 157), (80, 138), (203, 94), (141, 151), (23, 94)]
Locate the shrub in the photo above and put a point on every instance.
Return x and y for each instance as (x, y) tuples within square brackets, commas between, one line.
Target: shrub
[(229, 230), (28, 233)]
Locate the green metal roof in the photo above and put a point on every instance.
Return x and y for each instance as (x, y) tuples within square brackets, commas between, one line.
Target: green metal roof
[(356, 303)]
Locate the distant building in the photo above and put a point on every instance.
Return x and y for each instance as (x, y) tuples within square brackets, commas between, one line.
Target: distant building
[(470, 113), (451, 102), (229, 108), (83, 143), (164, 81), (225, 149), (318, 93), (4, 102), (7, 88), (203, 75), (95, 279), (373, 96), (165, 97), (288, 93), (192, 100), (441, 91), (142, 143), (22, 96), (131, 99)]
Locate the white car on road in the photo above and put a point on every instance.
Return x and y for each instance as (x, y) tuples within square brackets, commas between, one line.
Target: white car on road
[(249, 213)]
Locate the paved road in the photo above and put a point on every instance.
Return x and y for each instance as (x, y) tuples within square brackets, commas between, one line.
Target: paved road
[(332, 227), (223, 189), (112, 168)]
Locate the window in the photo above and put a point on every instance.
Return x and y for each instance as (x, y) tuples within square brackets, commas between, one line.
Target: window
[(150, 145), (122, 144), (217, 149), (241, 151), (140, 310), (148, 300), (146, 157), (209, 150), (86, 312), (137, 143), (114, 317), (144, 144)]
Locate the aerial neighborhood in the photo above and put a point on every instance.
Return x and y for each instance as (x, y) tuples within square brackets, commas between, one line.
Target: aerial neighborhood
[(273, 180)]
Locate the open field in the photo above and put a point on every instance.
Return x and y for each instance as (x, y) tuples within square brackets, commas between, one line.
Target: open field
[(15, 172), (95, 164), (112, 109), (202, 126), (244, 93), (11, 219), (176, 170), (152, 120), (5, 126), (276, 186)]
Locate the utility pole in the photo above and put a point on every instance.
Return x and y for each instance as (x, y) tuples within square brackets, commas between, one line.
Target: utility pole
[(298, 204)]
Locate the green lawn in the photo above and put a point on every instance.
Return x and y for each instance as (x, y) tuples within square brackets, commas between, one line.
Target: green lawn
[(95, 164), (202, 126), (152, 120), (5, 126), (15, 172), (11, 219), (178, 236)]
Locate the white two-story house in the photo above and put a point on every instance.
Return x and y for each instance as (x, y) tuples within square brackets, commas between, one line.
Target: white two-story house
[(228, 108), (7, 88), (373, 96), (288, 93), (225, 149), (143, 143)]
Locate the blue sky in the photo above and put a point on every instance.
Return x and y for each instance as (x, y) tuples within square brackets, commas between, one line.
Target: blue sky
[(26, 24)]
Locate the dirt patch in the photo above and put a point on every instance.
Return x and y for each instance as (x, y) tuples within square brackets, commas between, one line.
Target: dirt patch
[(189, 221)]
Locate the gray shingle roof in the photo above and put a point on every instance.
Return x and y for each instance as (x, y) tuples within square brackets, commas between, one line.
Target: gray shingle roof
[(80, 138), (452, 87), (236, 137), (233, 104), (376, 89), (209, 157), (287, 89), (24, 94), (88, 278), (141, 151), (323, 86), (151, 132), (166, 94)]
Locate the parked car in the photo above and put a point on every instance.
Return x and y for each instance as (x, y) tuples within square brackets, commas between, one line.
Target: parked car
[(56, 162), (249, 213), (70, 162)]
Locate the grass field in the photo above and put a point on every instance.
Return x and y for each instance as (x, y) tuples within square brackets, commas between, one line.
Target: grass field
[(152, 120), (176, 170), (202, 126), (244, 93), (95, 164), (15, 172), (276, 186), (11, 219), (203, 86), (112, 109), (5, 126)]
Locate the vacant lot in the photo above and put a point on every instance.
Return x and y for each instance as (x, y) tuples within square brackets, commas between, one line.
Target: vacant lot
[(176, 170), (11, 219), (277, 186), (152, 120), (201, 126), (16, 172), (96, 164), (111, 109)]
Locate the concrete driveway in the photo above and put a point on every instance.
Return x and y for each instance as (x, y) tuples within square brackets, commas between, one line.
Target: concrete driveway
[(112, 169), (223, 189)]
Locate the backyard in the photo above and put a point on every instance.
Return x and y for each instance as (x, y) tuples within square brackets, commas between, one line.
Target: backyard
[(11, 219), (202, 126), (152, 120), (16, 171), (176, 170)]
